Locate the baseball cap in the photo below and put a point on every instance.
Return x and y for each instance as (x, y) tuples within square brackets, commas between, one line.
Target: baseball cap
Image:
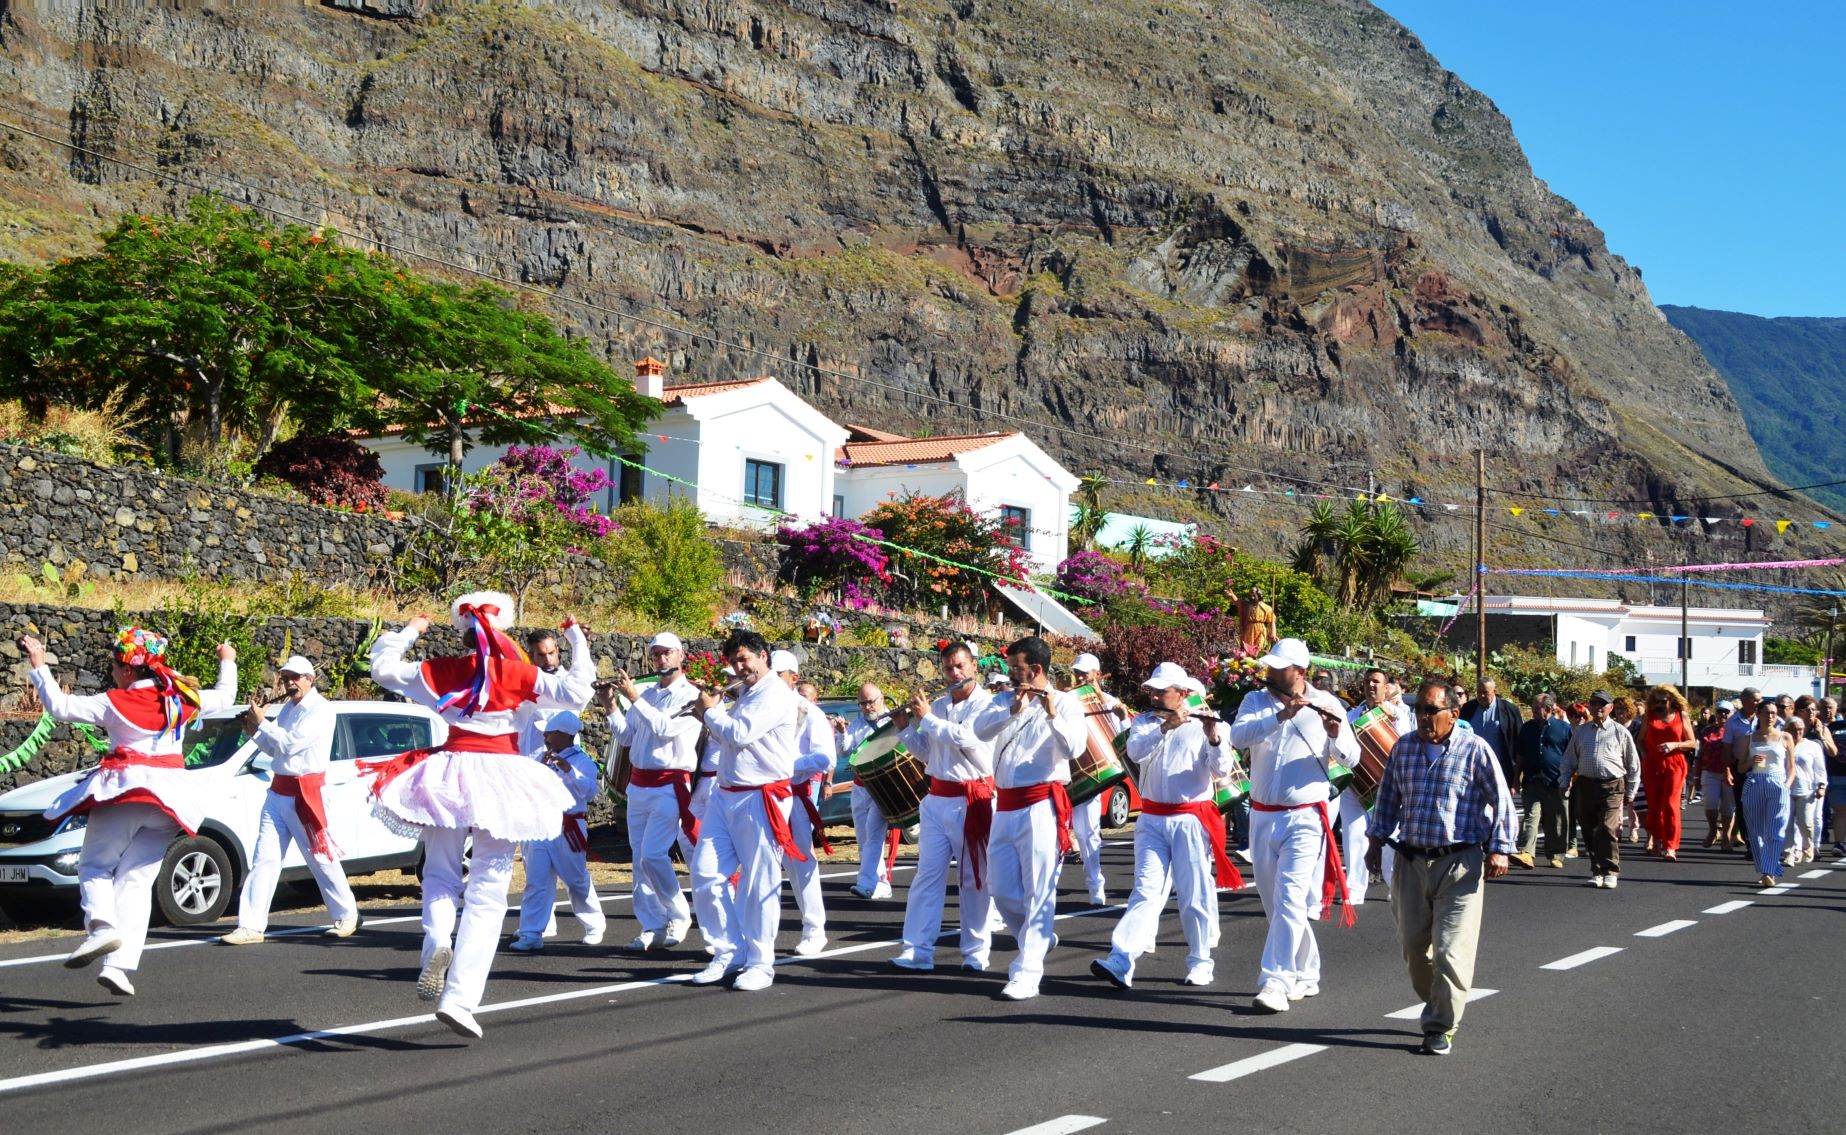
[(999, 678), (1086, 664), (1726, 707), (1601, 696), (784, 662), (564, 721), (1286, 652), (296, 664), (666, 639), (1170, 674)]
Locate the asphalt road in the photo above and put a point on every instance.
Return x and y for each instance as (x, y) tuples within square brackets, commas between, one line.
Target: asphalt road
[(1728, 1022)]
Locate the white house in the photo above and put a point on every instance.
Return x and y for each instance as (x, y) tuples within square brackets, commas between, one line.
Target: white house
[(752, 448), (1723, 646), (1118, 529), (999, 473)]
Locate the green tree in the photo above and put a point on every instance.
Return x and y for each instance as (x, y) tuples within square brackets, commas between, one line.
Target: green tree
[(1358, 554), (671, 566), (1090, 516)]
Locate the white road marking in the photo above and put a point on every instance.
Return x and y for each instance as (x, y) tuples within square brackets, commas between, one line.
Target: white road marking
[(1665, 928), (1728, 907), (1416, 1011), (1594, 953), (1239, 1068), (1063, 1125), (1779, 889), (210, 1052), (1820, 874)]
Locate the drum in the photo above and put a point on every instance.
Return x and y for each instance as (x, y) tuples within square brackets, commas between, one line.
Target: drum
[(1230, 792), (896, 780), (1105, 761), (1377, 732), (619, 767)]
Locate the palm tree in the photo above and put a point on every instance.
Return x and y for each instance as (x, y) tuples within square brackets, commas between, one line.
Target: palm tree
[(1140, 540), (1091, 515), (1356, 555)]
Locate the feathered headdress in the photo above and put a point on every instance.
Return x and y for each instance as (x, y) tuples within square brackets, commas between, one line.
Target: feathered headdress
[(138, 646), (485, 615)]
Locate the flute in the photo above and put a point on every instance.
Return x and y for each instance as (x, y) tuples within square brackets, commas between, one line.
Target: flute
[(730, 691)]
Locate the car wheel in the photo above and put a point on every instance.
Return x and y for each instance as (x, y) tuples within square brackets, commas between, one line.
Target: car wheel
[(1118, 809), (195, 879)]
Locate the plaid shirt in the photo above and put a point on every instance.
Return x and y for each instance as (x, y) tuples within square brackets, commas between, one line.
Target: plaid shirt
[(1437, 795)]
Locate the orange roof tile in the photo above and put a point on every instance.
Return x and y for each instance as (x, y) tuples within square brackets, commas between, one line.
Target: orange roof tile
[(677, 395), (867, 433), (910, 451)]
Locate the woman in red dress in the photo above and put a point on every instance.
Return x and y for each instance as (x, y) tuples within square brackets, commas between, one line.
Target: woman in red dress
[(1666, 742)]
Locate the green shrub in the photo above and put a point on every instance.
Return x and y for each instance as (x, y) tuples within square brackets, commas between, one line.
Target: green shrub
[(670, 565)]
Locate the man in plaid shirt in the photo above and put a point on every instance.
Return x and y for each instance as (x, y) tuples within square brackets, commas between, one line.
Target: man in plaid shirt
[(1443, 805)]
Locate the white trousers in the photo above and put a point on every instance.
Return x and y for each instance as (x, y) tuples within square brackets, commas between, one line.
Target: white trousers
[(735, 837), (1355, 829), (940, 820), (712, 897), (1290, 850), (653, 827), (549, 862), (122, 849), (1022, 874), (1798, 836), (1086, 833), (869, 827), (804, 874), (1170, 852), (280, 826), (470, 917)]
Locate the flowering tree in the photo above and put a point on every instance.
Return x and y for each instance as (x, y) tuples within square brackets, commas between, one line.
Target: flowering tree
[(836, 553), (1092, 577), (547, 475), (949, 553)]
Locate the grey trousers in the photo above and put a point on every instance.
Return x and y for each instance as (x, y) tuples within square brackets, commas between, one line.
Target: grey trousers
[(1437, 904), (1543, 807)]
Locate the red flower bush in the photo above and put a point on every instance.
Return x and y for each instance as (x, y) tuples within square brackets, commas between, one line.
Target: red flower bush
[(333, 471)]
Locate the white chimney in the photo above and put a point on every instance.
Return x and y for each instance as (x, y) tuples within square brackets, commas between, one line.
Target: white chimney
[(650, 377)]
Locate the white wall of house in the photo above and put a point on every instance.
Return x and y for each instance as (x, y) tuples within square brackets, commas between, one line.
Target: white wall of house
[(768, 424), (1726, 643)]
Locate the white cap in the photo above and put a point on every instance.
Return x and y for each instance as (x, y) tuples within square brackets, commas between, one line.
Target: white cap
[(1287, 652), (784, 662), (1170, 674), (999, 678), (667, 639), (296, 664), (564, 721), (1086, 664)]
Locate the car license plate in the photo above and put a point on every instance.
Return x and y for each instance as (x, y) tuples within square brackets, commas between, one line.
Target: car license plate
[(9, 874)]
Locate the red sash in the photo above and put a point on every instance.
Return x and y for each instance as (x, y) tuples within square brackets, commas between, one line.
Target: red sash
[(306, 791), (120, 758), (1212, 821), (682, 793), (977, 822), (778, 823), (1333, 879), (1015, 799), (806, 796), (576, 836), (383, 771)]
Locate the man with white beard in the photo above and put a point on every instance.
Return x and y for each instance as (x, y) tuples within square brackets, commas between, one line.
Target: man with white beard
[(876, 848)]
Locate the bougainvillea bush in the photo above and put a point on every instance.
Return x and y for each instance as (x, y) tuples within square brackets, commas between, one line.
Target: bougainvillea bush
[(835, 553), (537, 475), (1092, 577), (947, 553), (334, 471)]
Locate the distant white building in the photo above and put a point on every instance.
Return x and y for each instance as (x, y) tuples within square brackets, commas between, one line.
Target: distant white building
[(1001, 474), (1118, 529)]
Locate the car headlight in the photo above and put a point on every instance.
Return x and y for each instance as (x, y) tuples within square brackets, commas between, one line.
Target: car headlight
[(76, 823), (66, 864)]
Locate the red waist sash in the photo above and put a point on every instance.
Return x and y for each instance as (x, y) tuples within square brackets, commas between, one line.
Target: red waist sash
[(122, 757), (576, 836), (804, 792), (1212, 821), (1017, 799), (778, 823), (306, 791), (387, 769), (1333, 879), (976, 823), (682, 793)]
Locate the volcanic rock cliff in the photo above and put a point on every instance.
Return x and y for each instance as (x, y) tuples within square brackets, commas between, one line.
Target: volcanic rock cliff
[(1174, 239)]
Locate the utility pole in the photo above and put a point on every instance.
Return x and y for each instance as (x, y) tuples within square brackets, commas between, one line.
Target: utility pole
[(1480, 563), (1685, 640), (1826, 664)]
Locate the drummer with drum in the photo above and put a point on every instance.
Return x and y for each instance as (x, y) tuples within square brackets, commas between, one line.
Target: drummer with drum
[(1179, 841), (1377, 723), (877, 850), (1086, 817), (956, 817)]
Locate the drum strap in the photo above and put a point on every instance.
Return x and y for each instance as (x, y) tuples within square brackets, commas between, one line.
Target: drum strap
[(1212, 821), (977, 822), (682, 794), (1333, 877), (778, 823), (1017, 799)]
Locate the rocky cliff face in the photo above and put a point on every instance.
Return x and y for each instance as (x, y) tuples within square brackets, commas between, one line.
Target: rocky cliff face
[(1173, 239)]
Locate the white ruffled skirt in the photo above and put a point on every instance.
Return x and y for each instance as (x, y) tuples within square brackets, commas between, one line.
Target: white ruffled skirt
[(502, 794), (172, 790)]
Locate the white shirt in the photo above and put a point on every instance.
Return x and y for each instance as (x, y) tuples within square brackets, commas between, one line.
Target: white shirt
[(1288, 759), (98, 710), (1033, 747), (858, 729), (756, 736), (656, 735), (945, 741), (299, 739), (580, 776), (1810, 768), (1177, 767), (563, 689)]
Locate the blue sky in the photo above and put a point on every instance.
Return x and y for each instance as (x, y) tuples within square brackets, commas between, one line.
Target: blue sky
[(1708, 140)]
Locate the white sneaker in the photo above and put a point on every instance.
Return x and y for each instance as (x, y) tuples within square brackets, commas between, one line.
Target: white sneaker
[(435, 974), (1272, 998), (910, 961), (1020, 989), (527, 944), (242, 936), (116, 982), (1244, 854), (972, 965), (713, 973), (1200, 974), (754, 980), (461, 1021), (1113, 974), (344, 928), (1305, 989), (100, 942), (676, 932), (1609, 881), (811, 944), (593, 935), (644, 941), (881, 891), (1594, 881), (1098, 898)]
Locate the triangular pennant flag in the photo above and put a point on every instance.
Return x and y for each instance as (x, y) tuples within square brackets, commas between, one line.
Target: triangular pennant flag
[(1552, 512), (1711, 519), (1383, 497), (1748, 522), (1579, 512), (1823, 524), (1184, 485), (1451, 507), (1677, 519), (1150, 481), (1645, 515), (1515, 511), (1416, 500), (1213, 486), (1289, 493), (1615, 516), (1781, 526), (1247, 489)]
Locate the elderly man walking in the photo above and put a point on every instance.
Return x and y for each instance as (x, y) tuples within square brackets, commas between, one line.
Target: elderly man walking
[(1443, 804), (1603, 768)]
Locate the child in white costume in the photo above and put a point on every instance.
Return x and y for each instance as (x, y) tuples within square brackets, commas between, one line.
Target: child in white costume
[(565, 857)]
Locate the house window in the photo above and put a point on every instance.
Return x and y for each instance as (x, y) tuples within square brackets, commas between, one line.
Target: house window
[(628, 482), (1628, 644), (1017, 520), (1746, 652), (839, 507), (1685, 648), (1573, 653), (1592, 657), (763, 484), (432, 478)]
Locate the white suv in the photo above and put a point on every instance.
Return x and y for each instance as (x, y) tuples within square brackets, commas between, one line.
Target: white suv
[(201, 874)]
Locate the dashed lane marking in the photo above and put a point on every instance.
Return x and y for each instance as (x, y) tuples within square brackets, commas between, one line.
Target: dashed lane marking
[(1665, 928), (1414, 1012), (1063, 1125), (1728, 907), (1238, 1069), (1779, 889), (1594, 953), (1818, 874)]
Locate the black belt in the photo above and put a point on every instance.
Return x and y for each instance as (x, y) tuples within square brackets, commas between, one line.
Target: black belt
[(1431, 852)]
